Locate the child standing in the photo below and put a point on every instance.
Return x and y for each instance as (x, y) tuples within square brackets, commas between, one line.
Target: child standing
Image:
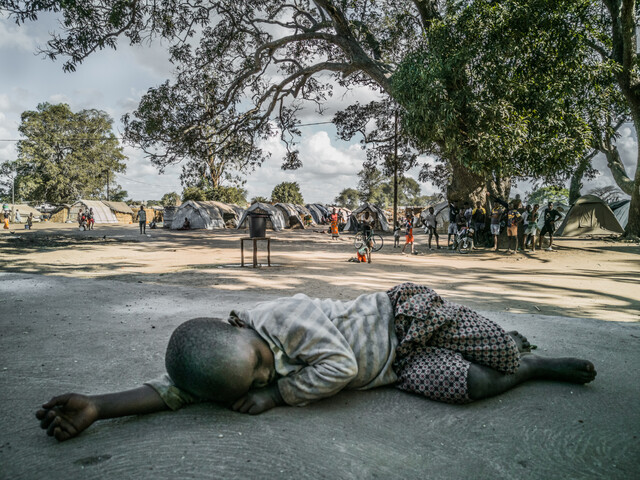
[(409, 234), (396, 235), (293, 351), (431, 224)]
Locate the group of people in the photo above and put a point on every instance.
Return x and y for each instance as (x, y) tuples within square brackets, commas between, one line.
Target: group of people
[(6, 214), (86, 220)]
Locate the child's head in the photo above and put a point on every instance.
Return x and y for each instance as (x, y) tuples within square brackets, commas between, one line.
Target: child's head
[(214, 360)]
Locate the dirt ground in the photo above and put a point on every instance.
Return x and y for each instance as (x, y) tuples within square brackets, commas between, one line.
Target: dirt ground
[(584, 278)]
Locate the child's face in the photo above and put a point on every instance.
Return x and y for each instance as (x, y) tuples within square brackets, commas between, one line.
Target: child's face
[(253, 365)]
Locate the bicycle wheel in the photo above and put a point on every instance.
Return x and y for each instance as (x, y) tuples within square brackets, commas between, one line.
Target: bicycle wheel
[(377, 242), (357, 241), (465, 245)]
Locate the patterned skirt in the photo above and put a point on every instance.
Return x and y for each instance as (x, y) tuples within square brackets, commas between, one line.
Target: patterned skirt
[(438, 341)]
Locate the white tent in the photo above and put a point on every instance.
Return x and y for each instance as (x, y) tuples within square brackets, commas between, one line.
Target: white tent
[(442, 215), (204, 215), (101, 213), (230, 213), (275, 221)]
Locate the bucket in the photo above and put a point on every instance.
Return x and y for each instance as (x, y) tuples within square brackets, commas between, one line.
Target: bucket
[(257, 225)]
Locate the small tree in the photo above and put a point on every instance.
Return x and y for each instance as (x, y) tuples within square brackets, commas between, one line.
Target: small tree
[(170, 199), (193, 193), (235, 195), (287, 192), (550, 193), (259, 199), (348, 198)]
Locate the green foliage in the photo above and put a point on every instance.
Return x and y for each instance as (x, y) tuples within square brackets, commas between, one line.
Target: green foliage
[(65, 155), (170, 199), (193, 193), (235, 195), (259, 199), (287, 192), (118, 194), (348, 198), (505, 87), (549, 193), (376, 188), (153, 203)]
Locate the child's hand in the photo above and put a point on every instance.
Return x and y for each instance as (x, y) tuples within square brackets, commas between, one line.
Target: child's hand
[(67, 415), (258, 401), (236, 322)]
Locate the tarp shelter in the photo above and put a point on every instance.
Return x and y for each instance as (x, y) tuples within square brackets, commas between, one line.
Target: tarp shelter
[(201, 215), (316, 213), (379, 218), (291, 216), (168, 215), (305, 215), (275, 221), (590, 215), (24, 211), (229, 214), (101, 212), (121, 210), (621, 211)]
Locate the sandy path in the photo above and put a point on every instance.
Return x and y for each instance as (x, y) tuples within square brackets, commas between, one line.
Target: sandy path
[(584, 278)]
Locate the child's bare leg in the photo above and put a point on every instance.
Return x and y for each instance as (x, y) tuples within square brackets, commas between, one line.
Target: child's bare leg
[(483, 382)]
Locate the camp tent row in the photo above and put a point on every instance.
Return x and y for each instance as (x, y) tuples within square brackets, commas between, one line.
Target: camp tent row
[(379, 218)]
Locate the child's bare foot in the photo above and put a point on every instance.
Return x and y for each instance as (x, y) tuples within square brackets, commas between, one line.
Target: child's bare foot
[(521, 341), (67, 415), (569, 369)]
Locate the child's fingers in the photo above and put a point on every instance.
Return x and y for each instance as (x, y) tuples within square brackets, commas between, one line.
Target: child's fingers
[(57, 401), (52, 426)]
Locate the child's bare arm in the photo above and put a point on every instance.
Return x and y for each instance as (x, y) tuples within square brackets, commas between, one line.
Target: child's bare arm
[(65, 416)]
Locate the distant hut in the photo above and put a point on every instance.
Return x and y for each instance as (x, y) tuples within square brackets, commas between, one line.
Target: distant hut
[(121, 210), (60, 214), (275, 221)]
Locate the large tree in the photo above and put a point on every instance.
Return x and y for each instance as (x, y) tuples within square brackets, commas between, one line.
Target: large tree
[(64, 155), (287, 192), (268, 55)]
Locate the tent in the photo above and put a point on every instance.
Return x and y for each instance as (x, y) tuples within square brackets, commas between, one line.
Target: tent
[(204, 215), (621, 211), (291, 215), (305, 215), (379, 218), (316, 213), (230, 213), (275, 221), (101, 212), (590, 215), (24, 211), (121, 210)]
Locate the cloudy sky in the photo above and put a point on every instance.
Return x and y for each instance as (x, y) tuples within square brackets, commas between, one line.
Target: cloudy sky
[(114, 81)]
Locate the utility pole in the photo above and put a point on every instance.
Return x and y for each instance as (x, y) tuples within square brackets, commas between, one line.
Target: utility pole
[(395, 172)]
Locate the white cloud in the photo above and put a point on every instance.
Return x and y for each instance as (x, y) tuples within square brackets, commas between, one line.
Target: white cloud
[(14, 36)]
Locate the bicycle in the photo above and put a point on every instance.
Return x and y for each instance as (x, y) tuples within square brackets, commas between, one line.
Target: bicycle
[(376, 240)]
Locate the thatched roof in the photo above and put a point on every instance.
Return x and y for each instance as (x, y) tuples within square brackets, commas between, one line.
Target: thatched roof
[(119, 207)]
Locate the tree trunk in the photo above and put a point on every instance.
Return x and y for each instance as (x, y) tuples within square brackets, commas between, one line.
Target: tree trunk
[(614, 162), (576, 178), (633, 226), (465, 185)]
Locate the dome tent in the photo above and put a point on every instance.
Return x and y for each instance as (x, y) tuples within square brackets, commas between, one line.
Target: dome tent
[(291, 215), (204, 215), (590, 215), (275, 221), (621, 211), (379, 218)]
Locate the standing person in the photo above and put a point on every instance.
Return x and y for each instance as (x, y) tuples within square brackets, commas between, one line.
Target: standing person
[(334, 224), (18, 216), (142, 219), (81, 220), (522, 226), (478, 218), (409, 234), (90, 220), (453, 219), (431, 226), (468, 213), (513, 219), (29, 221), (396, 234), (496, 216), (550, 217), (7, 214), (532, 227)]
